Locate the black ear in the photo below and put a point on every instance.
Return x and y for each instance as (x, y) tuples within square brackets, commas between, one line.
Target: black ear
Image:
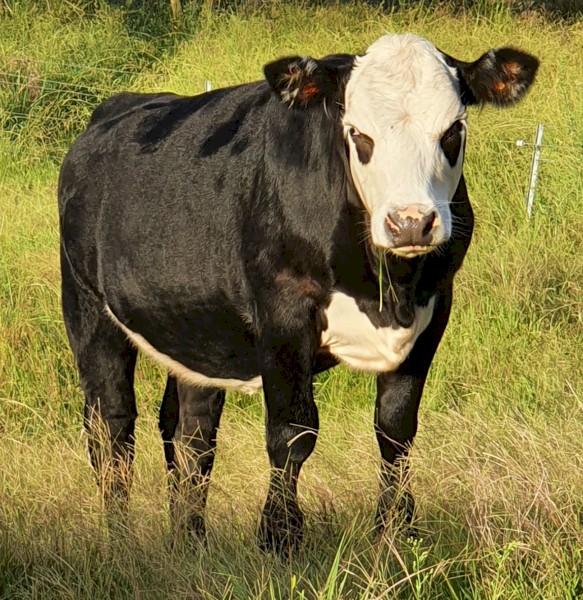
[(301, 81), (500, 77)]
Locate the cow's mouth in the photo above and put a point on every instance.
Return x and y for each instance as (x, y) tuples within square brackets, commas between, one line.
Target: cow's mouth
[(411, 251)]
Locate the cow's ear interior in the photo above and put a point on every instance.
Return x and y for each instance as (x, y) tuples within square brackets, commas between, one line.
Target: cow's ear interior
[(301, 81), (500, 77)]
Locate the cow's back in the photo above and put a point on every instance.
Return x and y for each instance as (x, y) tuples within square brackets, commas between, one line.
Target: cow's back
[(158, 182), (121, 103)]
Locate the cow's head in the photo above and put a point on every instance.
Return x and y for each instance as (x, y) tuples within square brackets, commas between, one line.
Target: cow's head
[(404, 120)]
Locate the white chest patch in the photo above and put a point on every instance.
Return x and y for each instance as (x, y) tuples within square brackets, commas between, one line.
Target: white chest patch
[(356, 342), (350, 336)]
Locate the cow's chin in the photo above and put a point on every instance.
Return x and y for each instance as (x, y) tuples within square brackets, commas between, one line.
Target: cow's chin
[(411, 251)]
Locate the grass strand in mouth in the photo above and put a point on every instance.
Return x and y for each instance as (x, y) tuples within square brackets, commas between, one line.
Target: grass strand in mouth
[(380, 280)]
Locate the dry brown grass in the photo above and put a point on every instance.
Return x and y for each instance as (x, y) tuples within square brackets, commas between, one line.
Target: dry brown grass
[(497, 467)]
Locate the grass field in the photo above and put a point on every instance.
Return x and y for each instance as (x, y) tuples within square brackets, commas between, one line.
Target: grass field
[(498, 461)]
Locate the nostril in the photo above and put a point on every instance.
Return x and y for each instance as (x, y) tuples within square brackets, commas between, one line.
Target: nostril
[(428, 222), (393, 225)]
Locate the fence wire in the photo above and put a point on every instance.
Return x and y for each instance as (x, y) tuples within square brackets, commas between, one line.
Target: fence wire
[(20, 82), (22, 62)]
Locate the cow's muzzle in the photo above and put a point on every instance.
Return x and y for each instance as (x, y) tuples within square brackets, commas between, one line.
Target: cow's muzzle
[(411, 229)]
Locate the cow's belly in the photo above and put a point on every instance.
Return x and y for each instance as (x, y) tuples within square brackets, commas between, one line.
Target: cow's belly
[(182, 372), (350, 337), (355, 341)]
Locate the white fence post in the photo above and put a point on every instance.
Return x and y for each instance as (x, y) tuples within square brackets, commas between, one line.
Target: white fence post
[(534, 168)]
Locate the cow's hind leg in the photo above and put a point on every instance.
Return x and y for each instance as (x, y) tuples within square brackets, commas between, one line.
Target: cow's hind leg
[(397, 404), (106, 362), (189, 420)]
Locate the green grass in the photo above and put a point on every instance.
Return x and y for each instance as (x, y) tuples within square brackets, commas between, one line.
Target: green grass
[(497, 468)]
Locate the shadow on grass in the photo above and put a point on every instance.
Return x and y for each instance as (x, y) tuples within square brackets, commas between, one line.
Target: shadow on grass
[(66, 551)]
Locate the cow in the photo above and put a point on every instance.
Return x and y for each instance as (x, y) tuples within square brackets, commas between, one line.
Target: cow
[(251, 237)]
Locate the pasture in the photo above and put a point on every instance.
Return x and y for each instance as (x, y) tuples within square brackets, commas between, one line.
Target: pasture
[(497, 466)]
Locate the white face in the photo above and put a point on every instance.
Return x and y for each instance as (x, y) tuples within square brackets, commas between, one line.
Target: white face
[(405, 126)]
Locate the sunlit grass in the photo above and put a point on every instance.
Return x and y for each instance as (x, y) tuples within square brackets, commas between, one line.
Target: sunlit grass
[(497, 468)]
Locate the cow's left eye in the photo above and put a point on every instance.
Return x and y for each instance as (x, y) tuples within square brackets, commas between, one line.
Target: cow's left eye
[(451, 142)]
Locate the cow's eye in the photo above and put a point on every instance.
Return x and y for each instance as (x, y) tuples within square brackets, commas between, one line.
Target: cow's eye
[(363, 143), (451, 142)]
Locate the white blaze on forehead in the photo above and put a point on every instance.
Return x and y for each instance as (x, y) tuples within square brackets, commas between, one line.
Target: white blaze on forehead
[(404, 96), (402, 79)]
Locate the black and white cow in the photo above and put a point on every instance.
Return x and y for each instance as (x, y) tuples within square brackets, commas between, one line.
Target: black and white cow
[(236, 237)]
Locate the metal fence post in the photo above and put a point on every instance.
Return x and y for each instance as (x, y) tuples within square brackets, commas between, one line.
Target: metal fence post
[(534, 168)]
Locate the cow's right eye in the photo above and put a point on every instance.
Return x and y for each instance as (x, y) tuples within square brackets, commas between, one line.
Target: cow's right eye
[(363, 143)]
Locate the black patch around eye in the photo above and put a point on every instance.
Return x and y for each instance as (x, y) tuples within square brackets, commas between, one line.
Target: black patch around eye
[(364, 146), (451, 142)]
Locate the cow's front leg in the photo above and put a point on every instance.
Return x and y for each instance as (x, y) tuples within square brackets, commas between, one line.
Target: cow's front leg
[(291, 431), (398, 397), (397, 403)]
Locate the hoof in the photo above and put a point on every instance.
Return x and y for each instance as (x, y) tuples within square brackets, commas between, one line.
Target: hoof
[(400, 514), (196, 528), (280, 530), (190, 532)]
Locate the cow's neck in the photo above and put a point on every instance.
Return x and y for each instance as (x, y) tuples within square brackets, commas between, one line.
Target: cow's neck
[(398, 283)]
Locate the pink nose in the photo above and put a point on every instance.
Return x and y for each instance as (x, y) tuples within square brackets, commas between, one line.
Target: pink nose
[(410, 227)]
